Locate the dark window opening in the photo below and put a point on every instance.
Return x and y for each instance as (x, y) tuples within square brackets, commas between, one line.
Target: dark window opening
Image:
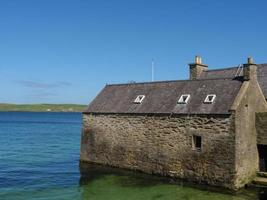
[(197, 142), (210, 98), (262, 150)]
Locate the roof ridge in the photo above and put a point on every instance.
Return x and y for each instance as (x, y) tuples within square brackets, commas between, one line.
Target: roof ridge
[(229, 68), (169, 81), (220, 69)]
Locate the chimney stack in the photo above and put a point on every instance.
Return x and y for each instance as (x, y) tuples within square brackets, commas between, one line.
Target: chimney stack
[(250, 70), (197, 68)]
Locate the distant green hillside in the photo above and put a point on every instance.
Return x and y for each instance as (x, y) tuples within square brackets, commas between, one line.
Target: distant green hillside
[(43, 107)]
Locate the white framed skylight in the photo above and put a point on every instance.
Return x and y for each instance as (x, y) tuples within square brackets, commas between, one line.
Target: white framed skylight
[(184, 99), (139, 99), (210, 98)]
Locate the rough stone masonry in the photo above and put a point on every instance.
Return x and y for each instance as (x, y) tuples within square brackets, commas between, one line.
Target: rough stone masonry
[(162, 145)]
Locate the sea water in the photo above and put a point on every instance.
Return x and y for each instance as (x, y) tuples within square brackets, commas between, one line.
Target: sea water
[(39, 159)]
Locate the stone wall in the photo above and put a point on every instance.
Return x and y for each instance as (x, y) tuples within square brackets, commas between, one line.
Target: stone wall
[(261, 127), (250, 101), (163, 145)]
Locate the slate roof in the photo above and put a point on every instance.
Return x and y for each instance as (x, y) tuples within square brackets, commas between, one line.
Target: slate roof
[(162, 97), (230, 73), (219, 73), (262, 78)]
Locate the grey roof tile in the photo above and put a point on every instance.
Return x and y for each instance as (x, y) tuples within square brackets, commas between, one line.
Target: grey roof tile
[(219, 73), (231, 72), (262, 78), (162, 97)]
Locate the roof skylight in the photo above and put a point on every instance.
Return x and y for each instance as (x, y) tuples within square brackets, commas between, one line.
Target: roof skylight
[(184, 99), (210, 98), (139, 98)]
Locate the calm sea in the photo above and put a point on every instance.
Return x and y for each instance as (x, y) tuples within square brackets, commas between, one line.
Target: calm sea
[(39, 159)]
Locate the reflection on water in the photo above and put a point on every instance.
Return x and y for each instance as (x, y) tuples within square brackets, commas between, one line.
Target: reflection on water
[(100, 182), (39, 160)]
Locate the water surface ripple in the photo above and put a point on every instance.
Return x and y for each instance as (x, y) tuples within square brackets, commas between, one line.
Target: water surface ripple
[(39, 159)]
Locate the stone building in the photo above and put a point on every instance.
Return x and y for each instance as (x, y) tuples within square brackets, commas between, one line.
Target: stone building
[(210, 129)]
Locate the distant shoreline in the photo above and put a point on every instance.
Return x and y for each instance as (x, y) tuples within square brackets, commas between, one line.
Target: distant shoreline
[(5, 107)]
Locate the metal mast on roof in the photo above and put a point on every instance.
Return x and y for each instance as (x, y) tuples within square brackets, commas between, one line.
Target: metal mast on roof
[(152, 71)]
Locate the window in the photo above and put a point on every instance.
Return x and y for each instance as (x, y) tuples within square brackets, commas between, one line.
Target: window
[(210, 98), (197, 142), (184, 99), (139, 98)]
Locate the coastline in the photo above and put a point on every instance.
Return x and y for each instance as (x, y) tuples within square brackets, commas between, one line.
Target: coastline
[(5, 107)]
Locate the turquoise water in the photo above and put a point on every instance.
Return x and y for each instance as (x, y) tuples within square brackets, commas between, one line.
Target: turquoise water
[(39, 159)]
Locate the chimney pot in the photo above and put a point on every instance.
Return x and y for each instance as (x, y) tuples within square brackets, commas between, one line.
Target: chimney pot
[(198, 60), (250, 60), (250, 70)]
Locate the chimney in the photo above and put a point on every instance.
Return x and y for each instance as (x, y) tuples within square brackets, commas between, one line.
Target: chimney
[(250, 70), (197, 68)]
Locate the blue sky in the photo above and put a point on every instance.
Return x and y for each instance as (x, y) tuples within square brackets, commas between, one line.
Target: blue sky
[(65, 51)]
